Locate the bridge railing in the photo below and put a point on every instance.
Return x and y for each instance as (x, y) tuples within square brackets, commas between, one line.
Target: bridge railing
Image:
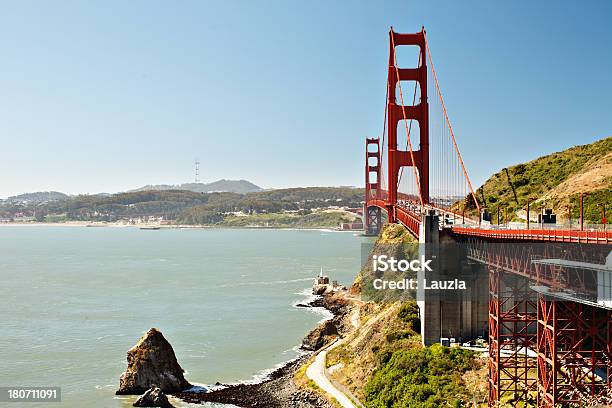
[(539, 226), (411, 220), (551, 235)]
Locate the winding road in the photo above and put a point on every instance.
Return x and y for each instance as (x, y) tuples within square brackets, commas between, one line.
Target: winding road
[(317, 371)]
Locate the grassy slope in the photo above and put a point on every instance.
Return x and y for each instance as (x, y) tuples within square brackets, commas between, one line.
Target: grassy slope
[(372, 358), (555, 181)]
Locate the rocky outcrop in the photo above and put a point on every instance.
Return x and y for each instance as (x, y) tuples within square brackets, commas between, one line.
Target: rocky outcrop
[(318, 337), (153, 397), (278, 391), (152, 363), (320, 289)]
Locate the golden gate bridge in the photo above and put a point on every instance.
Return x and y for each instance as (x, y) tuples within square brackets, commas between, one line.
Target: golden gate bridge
[(550, 348)]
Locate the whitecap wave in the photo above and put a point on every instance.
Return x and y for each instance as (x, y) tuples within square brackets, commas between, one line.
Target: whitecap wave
[(309, 298), (265, 374), (199, 388)]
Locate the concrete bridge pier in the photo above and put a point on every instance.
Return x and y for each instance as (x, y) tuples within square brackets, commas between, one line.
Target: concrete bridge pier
[(458, 314)]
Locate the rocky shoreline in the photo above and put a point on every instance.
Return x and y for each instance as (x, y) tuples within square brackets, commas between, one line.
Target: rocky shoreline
[(279, 389)]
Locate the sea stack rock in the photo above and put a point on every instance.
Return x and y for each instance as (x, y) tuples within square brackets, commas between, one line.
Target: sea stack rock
[(153, 397), (152, 363)]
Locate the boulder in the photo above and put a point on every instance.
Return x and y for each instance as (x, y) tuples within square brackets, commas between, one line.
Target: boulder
[(152, 363), (320, 336), (153, 397)]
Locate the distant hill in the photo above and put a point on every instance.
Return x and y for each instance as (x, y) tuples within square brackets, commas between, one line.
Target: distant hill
[(555, 181), (229, 186), (191, 207), (38, 197)]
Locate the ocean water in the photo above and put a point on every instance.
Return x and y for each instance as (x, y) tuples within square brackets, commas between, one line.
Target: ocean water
[(73, 300)]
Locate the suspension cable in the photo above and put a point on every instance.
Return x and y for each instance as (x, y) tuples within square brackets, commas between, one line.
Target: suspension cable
[(450, 128)]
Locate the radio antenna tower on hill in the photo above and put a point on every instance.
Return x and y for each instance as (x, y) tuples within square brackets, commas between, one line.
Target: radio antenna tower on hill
[(197, 171)]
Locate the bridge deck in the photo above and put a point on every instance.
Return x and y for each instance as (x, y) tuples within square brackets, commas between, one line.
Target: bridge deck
[(548, 235), (411, 219)]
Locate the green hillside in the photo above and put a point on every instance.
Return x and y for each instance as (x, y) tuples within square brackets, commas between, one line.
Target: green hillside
[(284, 207), (554, 181)]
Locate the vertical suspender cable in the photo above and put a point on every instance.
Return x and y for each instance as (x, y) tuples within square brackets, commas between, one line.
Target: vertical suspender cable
[(450, 128)]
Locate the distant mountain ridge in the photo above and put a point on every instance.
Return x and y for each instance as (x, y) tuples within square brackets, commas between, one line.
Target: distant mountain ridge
[(38, 197), (223, 185)]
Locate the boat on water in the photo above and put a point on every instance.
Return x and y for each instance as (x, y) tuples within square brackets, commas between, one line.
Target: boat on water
[(149, 227)]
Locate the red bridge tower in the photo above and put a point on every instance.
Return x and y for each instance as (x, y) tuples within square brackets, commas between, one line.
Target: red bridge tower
[(395, 113)]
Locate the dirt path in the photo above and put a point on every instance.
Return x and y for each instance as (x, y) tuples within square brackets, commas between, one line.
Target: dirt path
[(317, 373)]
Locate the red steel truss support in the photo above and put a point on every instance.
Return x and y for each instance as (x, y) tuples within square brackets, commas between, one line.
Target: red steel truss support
[(545, 350), (512, 334), (494, 339), (396, 157), (574, 354)]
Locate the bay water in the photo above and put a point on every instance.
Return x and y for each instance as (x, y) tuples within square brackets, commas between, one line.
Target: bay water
[(73, 300)]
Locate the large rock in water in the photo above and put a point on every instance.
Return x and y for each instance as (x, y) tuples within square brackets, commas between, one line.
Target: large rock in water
[(153, 397), (152, 363)]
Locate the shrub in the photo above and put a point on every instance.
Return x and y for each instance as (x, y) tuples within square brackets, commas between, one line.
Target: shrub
[(409, 314), (422, 377)]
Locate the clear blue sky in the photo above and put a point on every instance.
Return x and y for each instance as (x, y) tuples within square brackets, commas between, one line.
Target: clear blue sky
[(112, 95)]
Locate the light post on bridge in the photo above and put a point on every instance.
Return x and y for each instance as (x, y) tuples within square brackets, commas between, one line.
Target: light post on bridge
[(527, 218), (581, 212)]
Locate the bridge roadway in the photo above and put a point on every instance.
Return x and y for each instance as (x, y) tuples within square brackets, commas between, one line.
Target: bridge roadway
[(410, 216)]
